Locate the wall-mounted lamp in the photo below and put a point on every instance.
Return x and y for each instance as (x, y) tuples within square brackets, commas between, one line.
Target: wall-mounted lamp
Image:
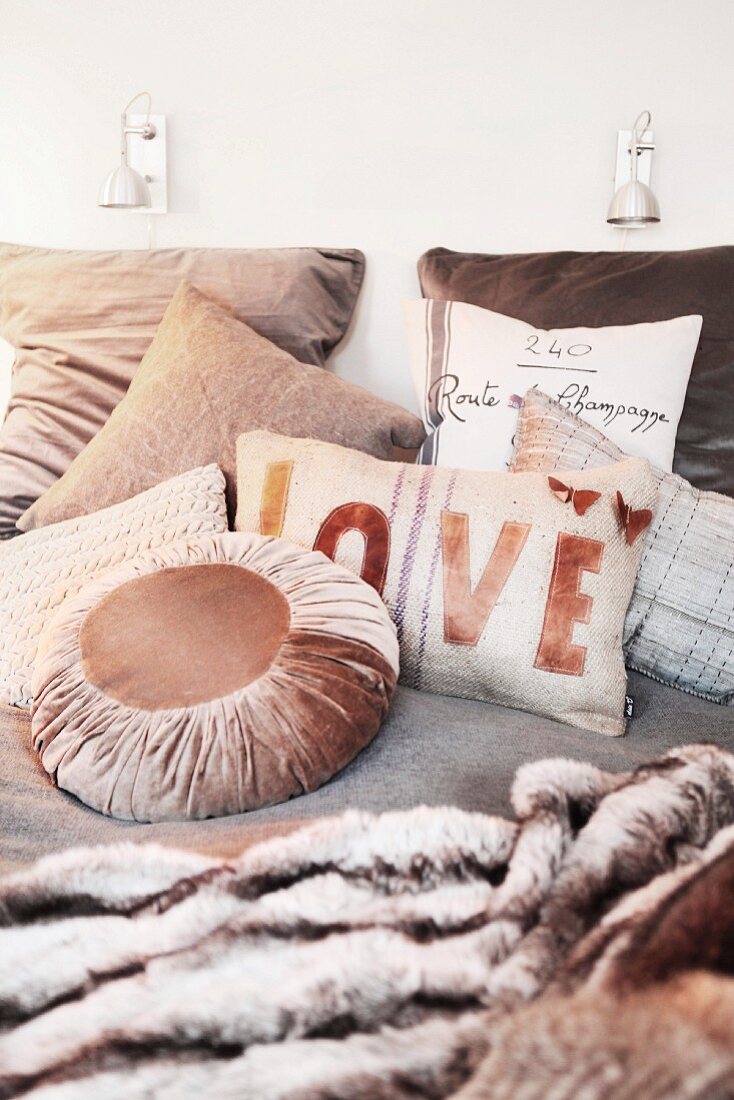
[(634, 206), (139, 183)]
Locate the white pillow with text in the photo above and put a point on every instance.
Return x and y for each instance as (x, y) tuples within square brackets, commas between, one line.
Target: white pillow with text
[(470, 364)]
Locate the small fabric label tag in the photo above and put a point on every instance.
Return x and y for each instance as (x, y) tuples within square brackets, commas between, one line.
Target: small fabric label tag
[(629, 706)]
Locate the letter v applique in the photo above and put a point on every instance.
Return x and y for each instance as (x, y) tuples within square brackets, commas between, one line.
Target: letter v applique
[(467, 612)]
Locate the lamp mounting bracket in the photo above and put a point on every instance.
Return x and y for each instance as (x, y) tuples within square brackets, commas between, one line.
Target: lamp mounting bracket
[(146, 132), (645, 147), (148, 157)]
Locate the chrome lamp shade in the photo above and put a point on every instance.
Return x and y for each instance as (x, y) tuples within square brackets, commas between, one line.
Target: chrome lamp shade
[(633, 206), (124, 188)]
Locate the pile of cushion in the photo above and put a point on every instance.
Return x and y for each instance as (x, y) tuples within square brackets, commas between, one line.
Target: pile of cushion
[(176, 669)]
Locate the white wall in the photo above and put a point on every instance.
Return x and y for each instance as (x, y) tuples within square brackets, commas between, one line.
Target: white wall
[(390, 125)]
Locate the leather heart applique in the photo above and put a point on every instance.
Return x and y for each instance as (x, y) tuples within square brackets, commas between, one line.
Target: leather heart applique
[(633, 523), (582, 499)]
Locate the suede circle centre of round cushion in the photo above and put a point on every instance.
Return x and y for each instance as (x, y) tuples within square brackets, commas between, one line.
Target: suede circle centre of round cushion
[(178, 637), (211, 677)]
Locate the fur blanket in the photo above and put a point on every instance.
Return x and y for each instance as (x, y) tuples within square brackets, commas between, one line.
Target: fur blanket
[(582, 951)]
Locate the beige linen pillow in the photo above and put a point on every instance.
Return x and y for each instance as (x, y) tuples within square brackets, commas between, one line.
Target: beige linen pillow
[(499, 589), (205, 379), (211, 677), (80, 323), (38, 571), (680, 623)]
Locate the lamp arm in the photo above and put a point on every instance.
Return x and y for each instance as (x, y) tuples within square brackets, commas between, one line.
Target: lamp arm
[(147, 132), (636, 142), (136, 97)]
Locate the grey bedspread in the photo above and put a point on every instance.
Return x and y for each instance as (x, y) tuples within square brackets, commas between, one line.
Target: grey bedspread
[(433, 749)]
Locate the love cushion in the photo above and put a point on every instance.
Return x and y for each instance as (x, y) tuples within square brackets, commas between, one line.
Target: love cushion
[(511, 588)]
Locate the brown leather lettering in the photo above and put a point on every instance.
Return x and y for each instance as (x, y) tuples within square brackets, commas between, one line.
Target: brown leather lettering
[(567, 605), (373, 525), (274, 497), (465, 612)]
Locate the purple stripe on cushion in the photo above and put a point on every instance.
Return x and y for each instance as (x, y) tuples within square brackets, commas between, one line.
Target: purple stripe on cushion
[(406, 570), (397, 490)]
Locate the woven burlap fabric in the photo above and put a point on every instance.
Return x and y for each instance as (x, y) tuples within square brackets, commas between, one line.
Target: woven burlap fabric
[(680, 623), (501, 666), (39, 570)]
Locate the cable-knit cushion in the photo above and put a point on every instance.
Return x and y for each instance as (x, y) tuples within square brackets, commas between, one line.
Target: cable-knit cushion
[(40, 569), (211, 677)]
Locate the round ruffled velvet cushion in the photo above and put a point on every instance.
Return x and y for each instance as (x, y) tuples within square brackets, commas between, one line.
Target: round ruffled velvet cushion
[(211, 677)]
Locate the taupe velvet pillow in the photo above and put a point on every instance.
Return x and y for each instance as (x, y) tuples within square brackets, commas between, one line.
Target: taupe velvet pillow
[(211, 677), (81, 322), (205, 379), (565, 289)]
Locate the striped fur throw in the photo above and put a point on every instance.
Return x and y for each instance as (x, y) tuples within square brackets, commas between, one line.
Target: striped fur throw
[(377, 957)]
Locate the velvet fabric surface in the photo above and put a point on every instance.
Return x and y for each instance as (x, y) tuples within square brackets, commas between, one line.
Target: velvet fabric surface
[(81, 322), (212, 677), (217, 648), (205, 379), (564, 289)]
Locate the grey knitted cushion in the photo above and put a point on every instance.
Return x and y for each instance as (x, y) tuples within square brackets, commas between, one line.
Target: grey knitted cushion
[(680, 623)]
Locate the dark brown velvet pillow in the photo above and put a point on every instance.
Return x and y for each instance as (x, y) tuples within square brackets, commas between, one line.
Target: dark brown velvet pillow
[(205, 380), (563, 289), (81, 322), (211, 677)]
